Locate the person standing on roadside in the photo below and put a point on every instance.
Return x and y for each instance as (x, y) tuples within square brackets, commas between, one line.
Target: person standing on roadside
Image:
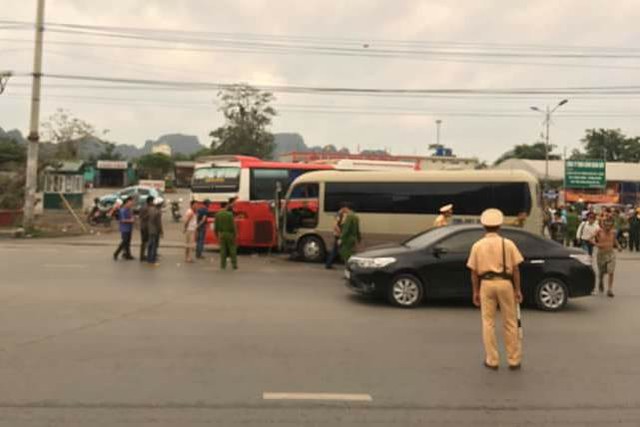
[(587, 232), (573, 222), (155, 233), (350, 235), (520, 220), (144, 228), (495, 277), (190, 227), (634, 231), (225, 228), (337, 231), (557, 228), (444, 219), (125, 217), (201, 231), (606, 242)]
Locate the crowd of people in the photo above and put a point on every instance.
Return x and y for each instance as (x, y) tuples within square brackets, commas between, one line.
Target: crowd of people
[(575, 225), (194, 229), (608, 230)]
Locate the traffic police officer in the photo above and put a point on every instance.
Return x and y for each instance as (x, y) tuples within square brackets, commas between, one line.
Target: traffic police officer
[(446, 212), (225, 229), (495, 277)]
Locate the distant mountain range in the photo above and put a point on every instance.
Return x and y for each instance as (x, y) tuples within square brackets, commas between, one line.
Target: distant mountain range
[(179, 143)]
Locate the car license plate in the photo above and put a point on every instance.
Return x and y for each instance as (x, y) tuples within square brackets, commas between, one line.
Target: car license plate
[(347, 274)]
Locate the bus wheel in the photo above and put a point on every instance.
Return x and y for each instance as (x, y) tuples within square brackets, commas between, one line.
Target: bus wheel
[(311, 249)]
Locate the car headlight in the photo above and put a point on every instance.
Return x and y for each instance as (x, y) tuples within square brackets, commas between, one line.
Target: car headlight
[(583, 258), (367, 263)]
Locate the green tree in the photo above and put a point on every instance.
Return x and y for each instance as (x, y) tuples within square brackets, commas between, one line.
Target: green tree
[(11, 152), (248, 114), (611, 144), (154, 166), (534, 151), (201, 153)]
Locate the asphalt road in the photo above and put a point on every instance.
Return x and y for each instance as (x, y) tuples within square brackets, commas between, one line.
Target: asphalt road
[(86, 341)]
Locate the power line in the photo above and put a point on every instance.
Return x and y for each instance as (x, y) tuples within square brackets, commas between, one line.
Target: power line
[(336, 109), (602, 90), (337, 40)]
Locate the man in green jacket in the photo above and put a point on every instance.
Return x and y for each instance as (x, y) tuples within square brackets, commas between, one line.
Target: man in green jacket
[(350, 234), (225, 229), (573, 222)]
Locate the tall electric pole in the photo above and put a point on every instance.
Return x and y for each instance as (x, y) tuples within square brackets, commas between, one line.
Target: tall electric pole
[(34, 137), (547, 121), (438, 124)]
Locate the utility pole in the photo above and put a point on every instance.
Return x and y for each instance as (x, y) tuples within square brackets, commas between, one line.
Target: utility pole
[(438, 123), (34, 137), (547, 121)]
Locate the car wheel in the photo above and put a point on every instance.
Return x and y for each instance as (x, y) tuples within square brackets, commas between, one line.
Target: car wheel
[(405, 291), (551, 294), (311, 249)]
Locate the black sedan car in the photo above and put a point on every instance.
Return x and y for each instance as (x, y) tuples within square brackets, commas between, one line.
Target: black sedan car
[(433, 265)]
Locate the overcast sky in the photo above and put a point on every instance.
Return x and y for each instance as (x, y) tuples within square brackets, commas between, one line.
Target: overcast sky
[(132, 116)]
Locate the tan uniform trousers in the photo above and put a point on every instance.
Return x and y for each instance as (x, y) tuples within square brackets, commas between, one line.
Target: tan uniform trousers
[(494, 293)]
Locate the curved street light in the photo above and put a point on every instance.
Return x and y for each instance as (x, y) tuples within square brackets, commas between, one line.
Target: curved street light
[(547, 120)]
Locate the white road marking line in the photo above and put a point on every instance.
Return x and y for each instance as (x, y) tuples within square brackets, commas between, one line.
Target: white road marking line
[(64, 266), (345, 397)]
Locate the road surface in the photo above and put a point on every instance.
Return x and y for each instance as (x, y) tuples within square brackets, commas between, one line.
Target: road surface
[(86, 341)]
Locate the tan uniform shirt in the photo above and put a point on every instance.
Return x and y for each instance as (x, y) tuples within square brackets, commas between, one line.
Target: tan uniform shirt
[(441, 221), (486, 255)]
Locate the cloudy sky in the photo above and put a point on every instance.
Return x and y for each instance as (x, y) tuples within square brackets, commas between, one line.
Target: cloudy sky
[(383, 44)]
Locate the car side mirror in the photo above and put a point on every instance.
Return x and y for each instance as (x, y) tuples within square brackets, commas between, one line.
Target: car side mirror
[(439, 250)]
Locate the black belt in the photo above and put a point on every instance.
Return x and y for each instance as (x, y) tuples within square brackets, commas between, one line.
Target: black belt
[(496, 276)]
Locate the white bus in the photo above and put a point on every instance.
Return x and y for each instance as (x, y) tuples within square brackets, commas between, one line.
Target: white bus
[(394, 205)]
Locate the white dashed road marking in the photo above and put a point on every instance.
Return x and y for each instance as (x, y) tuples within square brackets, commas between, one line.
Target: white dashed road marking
[(344, 397)]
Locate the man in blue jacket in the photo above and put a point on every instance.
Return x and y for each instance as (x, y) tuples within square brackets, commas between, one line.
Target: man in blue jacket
[(125, 217)]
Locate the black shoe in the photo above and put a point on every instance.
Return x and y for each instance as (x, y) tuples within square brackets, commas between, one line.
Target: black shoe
[(129, 258), (515, 367), (329, 267), (115, 257), (492, 367)]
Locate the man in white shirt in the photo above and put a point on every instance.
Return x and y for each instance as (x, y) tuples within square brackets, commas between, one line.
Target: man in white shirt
[(190, 226), (587, 232)]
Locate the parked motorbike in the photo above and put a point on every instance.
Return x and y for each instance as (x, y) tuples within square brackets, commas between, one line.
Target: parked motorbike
[(175, 210), (99, 214), (623, 240)]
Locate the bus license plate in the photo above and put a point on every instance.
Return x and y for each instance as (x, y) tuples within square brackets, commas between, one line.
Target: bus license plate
[(347, 274)]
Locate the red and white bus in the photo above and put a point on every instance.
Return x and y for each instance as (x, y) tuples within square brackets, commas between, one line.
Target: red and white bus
[(253, 183)]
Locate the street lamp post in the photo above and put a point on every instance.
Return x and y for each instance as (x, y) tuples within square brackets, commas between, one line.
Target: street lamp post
[(547, 121)]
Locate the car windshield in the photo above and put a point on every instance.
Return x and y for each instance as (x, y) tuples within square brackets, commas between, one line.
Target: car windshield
[(426, 238)]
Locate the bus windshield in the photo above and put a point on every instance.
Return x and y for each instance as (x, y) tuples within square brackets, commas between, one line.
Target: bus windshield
[(216, 180)]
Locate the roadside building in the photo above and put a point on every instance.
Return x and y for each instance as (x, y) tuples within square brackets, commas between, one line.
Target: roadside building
[(183, 173), (161, 149), (622, 181), (63, 180), (114, 174)]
